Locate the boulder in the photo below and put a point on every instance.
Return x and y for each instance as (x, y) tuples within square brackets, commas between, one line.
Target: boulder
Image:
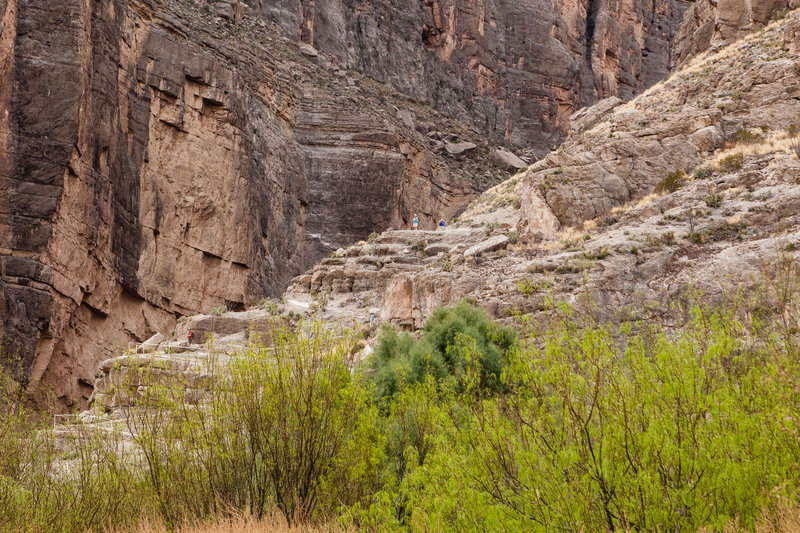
[(152, 342), (489, 245), (507, 161), (407, 117), (308, 50), (459, 149), (588, 117), (437, 248)]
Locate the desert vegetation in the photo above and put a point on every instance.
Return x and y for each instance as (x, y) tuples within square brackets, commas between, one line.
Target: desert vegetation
[(566, 425)]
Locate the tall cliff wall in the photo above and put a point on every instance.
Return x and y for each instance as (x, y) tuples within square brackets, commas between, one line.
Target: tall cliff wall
[(516, 69), (156, 160)]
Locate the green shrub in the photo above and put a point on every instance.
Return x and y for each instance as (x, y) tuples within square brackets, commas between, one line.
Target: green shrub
[(452, 340), (641, 434), (732, 163), (373, 236), (745, 136), (219, 311), (714, 200), (672, 182)]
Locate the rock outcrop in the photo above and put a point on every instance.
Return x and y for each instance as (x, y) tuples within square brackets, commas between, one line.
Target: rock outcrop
[(516, 69), (157, 160), (744, 96), (712, 24)]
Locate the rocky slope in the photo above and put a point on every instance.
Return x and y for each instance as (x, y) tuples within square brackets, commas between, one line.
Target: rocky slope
[(712, 24), (695, 184), (157, 160)]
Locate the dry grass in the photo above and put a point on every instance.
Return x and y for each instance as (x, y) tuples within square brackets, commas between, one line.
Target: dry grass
[(239, 524), (498, 196), (775, 143)]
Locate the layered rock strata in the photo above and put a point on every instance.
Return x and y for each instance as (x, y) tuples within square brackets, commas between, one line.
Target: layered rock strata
[(516, 69)]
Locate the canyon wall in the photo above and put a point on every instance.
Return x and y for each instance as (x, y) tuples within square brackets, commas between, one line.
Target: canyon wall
[(516, 69), (156, 161)]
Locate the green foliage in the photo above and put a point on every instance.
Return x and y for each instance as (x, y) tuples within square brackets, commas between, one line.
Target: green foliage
[(513, 237), (454, 340), (582, 427), (597, 255), (714, 200), (219, 311), (656, 433), (373, 236), (732, 162), (672, 182), (745, 136)]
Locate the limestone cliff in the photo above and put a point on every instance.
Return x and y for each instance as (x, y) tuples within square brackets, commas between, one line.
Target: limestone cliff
[(157, 160), (516, 69)]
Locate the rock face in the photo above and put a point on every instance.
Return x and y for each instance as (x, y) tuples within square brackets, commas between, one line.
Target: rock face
[(593, 231), (745, 97), (156, 160), (711, 24), (516, 69)]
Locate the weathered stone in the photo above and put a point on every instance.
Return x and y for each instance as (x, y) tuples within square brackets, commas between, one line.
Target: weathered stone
[(792, 35), (507, 161), (587, 117), (711, 24), (459, 149), (308, 50), (437, 248), (489, 245), (515, 69)]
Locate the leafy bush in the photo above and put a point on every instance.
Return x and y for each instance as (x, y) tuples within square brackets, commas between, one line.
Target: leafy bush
[(453, 340), (714, 200), (732, 163), (219, 311), (373, 236), (672, 182), (598, 435), (745, 136)]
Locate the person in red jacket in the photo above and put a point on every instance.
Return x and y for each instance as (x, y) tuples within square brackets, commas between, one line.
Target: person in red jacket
[(189, 336)]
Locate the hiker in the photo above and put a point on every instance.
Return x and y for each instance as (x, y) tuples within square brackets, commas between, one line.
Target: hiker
[(189, 336), (372, 320), (415, 222), (441, 223)]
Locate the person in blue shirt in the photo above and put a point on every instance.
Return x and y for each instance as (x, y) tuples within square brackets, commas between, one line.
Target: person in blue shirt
[(441, 222), (415, 222)]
